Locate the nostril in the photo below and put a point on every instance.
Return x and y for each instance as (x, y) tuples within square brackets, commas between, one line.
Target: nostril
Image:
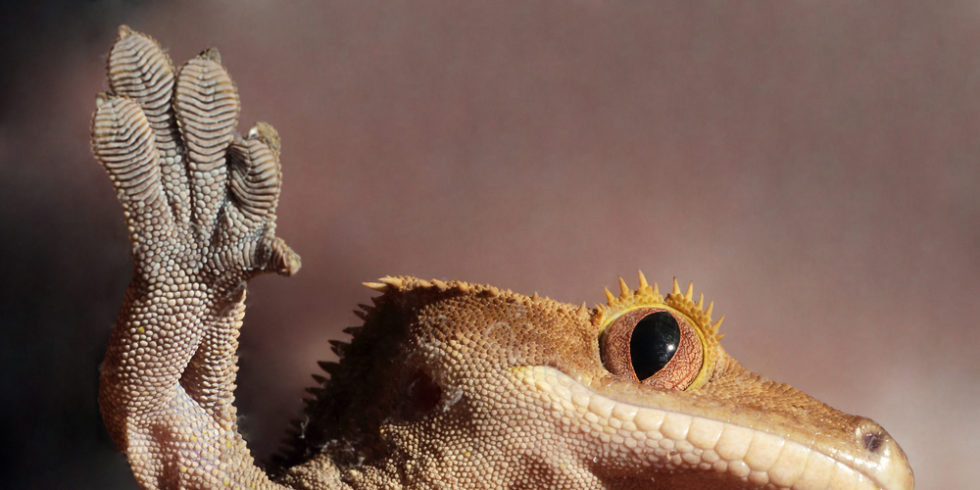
[(872, 440), (871, 435)]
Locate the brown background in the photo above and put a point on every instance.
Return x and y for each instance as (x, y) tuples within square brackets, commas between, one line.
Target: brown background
[(813, 166)]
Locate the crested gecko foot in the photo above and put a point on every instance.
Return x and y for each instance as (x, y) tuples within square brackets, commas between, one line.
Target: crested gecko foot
[(200, 203)]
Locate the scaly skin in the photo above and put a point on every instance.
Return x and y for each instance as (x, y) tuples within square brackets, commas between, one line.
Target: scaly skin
[(447, 384), (200, 206)]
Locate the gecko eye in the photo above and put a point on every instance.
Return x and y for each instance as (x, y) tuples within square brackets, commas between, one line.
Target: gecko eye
[(653, 343), (653, 346)]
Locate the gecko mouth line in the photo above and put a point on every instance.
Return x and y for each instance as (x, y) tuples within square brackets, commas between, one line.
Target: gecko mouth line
[(679, 441)]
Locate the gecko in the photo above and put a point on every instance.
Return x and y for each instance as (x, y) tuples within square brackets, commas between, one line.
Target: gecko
[(446, 384)]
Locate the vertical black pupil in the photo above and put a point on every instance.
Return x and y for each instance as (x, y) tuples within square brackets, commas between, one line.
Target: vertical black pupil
[(653, 343)]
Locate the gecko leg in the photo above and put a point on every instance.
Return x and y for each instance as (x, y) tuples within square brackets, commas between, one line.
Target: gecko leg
[(200, 202)]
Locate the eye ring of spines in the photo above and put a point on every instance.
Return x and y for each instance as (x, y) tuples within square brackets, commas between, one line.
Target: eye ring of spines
[(647, 296)]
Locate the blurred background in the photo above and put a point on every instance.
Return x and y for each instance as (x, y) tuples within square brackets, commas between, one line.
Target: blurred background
[(813, 166)]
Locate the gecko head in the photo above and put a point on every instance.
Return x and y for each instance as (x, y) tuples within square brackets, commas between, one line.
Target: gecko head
[(461, 382)]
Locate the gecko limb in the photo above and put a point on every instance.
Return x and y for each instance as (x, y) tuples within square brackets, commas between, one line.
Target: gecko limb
[(199, 201)]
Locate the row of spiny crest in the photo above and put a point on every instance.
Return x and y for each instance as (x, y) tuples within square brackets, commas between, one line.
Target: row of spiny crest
[(649, 296)]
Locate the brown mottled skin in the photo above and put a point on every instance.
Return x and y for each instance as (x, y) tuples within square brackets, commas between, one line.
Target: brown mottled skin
[(447, 384)]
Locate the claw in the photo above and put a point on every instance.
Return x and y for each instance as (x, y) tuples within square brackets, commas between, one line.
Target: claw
[(211, 54), (101, 99), (267, 134)]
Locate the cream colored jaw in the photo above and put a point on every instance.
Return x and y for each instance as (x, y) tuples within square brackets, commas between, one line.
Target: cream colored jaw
[(665, 439)]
